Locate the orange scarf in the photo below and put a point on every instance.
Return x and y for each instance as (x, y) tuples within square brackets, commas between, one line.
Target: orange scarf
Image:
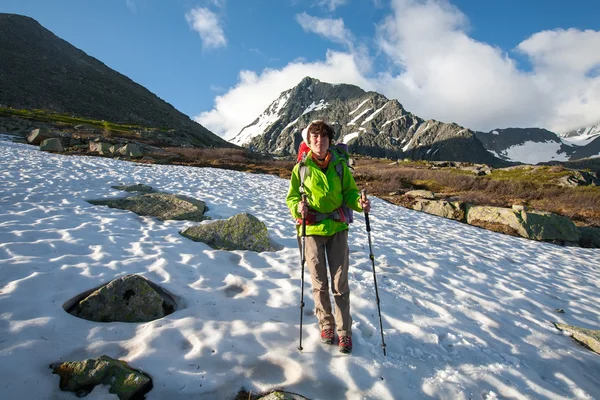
[(324, 163)]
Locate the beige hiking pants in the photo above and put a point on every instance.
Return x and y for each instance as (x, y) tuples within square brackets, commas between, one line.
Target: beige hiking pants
[(322, 251)]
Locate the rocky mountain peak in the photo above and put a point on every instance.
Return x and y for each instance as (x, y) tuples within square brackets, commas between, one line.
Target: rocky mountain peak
[(368, 122)]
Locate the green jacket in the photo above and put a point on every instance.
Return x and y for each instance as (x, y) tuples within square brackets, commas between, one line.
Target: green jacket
[(324, 194)]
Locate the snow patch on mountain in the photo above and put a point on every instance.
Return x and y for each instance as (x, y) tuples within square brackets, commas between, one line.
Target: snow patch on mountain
[(358, 108), (582, 136), (533, 152), (353, 122), (321, 105), (392, 120), (349, 137), (370, 117), (265, 120)]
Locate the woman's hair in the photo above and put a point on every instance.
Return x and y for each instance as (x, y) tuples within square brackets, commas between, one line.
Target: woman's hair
[(320, 127)]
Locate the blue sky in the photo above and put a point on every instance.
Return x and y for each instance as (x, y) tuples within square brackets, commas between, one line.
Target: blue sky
[(482, 64)]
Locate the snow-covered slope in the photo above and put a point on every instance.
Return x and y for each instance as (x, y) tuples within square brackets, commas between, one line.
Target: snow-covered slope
[(467, 313)]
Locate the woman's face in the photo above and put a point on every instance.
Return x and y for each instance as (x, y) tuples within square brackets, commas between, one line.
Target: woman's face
[(319, 144)]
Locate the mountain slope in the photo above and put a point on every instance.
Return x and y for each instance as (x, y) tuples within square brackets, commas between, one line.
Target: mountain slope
[(40, 70), (368, 122)]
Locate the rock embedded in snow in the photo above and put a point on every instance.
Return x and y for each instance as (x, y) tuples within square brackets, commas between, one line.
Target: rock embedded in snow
[(163, 206), (128, 299), (81, 377), (240, 232), (52, 144), (587, 337)]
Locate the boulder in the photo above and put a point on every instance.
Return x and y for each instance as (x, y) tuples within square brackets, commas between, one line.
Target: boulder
[(131, 298), (81, 377), (447, 209), (52, 144), (536, 225), (37, 136), (590, 237), (586, 337), (102, 148), (420, 194), (240, 232), (163, 206), (130, 150), (579, 178)]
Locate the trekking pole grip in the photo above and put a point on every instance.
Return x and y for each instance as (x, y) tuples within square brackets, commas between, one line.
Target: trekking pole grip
[(363, 197), (304, 217)]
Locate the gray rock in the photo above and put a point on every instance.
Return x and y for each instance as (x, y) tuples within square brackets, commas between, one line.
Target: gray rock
[(160, 205), (536, 225), (579, 178), (128, 299), (130, 150), (240, 232), (102, 148), (588, 338), (447, 209), (421, 194), (52, 144), (81, 377), (590, 237), (38, 135)]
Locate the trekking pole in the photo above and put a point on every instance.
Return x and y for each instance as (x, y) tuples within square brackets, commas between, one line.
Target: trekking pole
[(363, 196), (303, 259)]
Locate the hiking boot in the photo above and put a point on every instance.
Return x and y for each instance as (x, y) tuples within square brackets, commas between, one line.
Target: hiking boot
[(327, 336), (345, 344)]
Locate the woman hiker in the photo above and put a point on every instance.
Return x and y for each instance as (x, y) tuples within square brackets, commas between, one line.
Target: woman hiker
[(326, 242)]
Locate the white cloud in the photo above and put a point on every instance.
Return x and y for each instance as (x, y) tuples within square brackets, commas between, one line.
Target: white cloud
[(566, 64), (331, 29), (331, 5), (243, 104), (440, 72), (207, 24)]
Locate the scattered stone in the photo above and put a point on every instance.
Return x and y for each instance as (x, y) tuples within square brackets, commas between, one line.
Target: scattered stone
[(586, 337), (160, 205), (421, 194), (37, 136), (448, 209), (240, 232), (536, 225), (102, 148), (130, 150), (52, 144), (131, 298), (80, 377)]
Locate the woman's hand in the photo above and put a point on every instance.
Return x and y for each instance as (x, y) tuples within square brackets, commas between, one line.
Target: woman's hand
[(365, 204), (303, 209)]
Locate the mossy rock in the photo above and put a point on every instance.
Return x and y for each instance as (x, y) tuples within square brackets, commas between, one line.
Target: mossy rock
[(131, 298), (240, 232), (163, 206), (80, 377)]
